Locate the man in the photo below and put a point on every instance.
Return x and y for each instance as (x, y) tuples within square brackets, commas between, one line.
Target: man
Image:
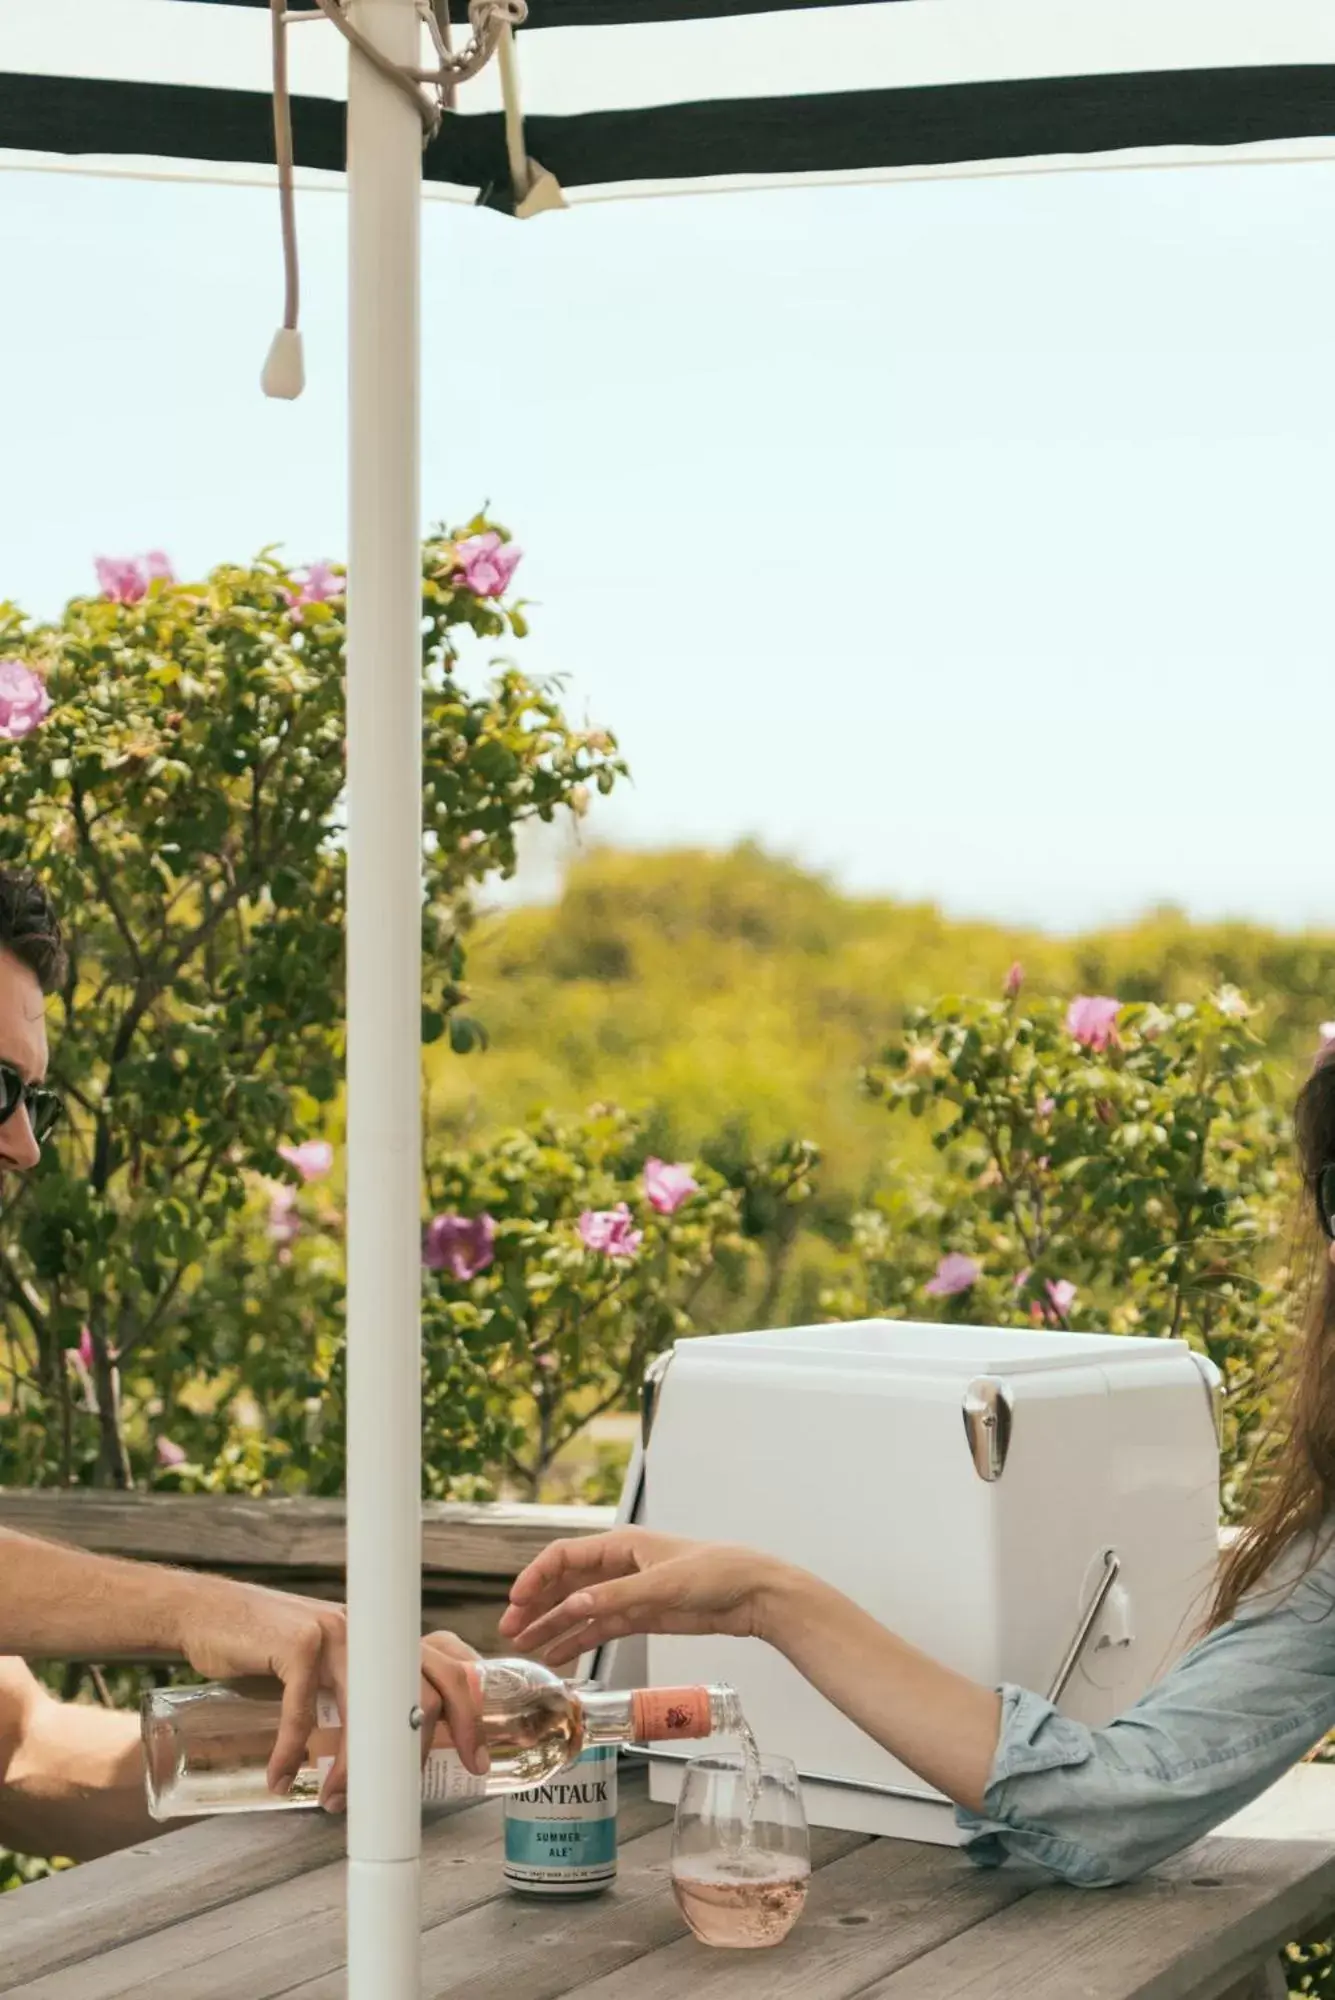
[(71, 1776)]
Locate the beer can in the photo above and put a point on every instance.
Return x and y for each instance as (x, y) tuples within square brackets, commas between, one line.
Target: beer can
[(561, 1836)]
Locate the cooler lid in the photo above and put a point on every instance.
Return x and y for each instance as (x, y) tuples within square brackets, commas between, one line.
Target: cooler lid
[(912, 1347)]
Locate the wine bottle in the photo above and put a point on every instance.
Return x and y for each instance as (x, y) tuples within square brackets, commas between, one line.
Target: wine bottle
[(207, 1749)]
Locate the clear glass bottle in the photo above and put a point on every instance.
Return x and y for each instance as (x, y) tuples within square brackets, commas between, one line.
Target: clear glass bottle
[(207, 1749)]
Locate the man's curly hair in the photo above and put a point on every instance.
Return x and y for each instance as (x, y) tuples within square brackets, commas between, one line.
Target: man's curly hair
[(30, 928)]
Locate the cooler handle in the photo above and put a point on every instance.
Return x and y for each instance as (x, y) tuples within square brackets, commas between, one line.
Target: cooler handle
[(1112, 1565)]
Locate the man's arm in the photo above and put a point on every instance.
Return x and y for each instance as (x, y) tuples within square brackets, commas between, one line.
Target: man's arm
[(71, 1776), (56, 1601)]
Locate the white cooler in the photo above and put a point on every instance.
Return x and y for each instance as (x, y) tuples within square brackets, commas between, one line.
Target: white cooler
[(1032, 1507)]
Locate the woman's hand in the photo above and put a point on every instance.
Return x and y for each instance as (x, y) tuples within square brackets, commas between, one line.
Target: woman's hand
[(579, 1594)]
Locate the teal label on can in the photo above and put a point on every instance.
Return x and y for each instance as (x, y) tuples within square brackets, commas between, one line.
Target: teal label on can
[(562, 1835)]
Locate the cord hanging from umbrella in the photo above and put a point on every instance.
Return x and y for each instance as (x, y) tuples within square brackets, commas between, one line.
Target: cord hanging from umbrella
[(492, 24), (534, 190)]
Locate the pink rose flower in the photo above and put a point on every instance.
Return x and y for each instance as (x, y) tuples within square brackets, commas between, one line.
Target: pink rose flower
[(120, 579), (284, 1224), (320, 584), (168, 1452), (24, 701), (1061, 1295), (487, 564), (1045, 1107), (462, 1245), (1014, 981), (1091, 1020), (954, 1274), (667, 1187), (312, 1158), (80, 1360), (125, 579), (609, 1232)]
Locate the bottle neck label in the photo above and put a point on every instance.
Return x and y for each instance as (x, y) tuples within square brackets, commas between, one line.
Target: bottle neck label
[(664, 1715)]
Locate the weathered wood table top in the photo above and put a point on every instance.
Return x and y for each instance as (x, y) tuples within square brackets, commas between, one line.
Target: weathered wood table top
[(251, 1908)]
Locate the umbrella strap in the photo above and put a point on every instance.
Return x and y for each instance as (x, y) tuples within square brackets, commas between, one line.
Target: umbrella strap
[(533, 189), (492, 24)]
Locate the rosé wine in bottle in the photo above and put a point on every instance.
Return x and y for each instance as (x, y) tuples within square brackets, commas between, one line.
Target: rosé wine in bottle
[(207, 1749)]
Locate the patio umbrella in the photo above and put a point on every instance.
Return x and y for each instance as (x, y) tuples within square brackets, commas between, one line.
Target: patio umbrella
[(619, 97), (661, 93)]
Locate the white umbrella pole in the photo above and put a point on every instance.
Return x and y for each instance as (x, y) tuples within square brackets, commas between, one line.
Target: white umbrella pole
[(384, 1014)]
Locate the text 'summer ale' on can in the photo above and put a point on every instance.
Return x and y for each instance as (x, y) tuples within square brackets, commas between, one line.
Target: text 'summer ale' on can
[(561, 1837)]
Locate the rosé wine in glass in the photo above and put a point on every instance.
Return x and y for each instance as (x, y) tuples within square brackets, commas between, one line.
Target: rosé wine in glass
[(741, 1859)]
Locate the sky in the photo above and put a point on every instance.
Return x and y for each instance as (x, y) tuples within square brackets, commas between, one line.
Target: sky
[(966, 540)]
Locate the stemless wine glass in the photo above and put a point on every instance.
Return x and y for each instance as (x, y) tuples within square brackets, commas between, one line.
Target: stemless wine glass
[(740, 1865)]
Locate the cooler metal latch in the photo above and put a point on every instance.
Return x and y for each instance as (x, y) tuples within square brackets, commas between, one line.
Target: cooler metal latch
[(649, 1391), (988, 1411), (1112, 1565), (1214, 1389)]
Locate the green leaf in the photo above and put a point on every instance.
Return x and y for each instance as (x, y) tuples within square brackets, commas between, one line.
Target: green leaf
[(466, 1034)]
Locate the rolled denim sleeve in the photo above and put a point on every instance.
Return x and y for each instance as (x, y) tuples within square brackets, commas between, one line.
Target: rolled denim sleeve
[(1098, 1806)]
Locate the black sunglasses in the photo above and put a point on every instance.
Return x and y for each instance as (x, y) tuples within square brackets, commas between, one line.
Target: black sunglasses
[(1325, 1199), (43, 1106)]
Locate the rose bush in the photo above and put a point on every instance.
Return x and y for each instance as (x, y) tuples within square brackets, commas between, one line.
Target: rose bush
[(596, 1257), (1118, 1168), (172, 758)]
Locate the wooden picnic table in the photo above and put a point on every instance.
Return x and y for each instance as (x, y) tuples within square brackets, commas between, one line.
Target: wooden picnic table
[(250, 1908)]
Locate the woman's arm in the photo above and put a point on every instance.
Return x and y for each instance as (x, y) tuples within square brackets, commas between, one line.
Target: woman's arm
[(579, 1594), (942, 1725), (1092, 1805)]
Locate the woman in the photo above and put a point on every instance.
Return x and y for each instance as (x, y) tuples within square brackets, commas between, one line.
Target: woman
[(1094, 1806)]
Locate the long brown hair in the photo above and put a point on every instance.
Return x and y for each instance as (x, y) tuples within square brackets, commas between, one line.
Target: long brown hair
[(1299, 1491)]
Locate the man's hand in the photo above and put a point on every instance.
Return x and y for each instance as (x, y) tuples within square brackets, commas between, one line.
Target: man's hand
[(579, 1594), (227, 1629)]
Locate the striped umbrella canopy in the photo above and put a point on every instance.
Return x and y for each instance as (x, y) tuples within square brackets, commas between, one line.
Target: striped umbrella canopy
[(612, 98), (648, 95)]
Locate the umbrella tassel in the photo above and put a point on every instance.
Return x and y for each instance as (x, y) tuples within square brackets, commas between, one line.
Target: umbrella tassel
[(535, 190), (432, 91), (284, 375)]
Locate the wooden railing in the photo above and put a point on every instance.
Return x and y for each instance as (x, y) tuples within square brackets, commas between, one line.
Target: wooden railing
[(470, 1554)]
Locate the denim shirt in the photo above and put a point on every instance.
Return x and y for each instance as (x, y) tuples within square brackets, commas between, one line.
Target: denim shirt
[(1097, 1806)]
